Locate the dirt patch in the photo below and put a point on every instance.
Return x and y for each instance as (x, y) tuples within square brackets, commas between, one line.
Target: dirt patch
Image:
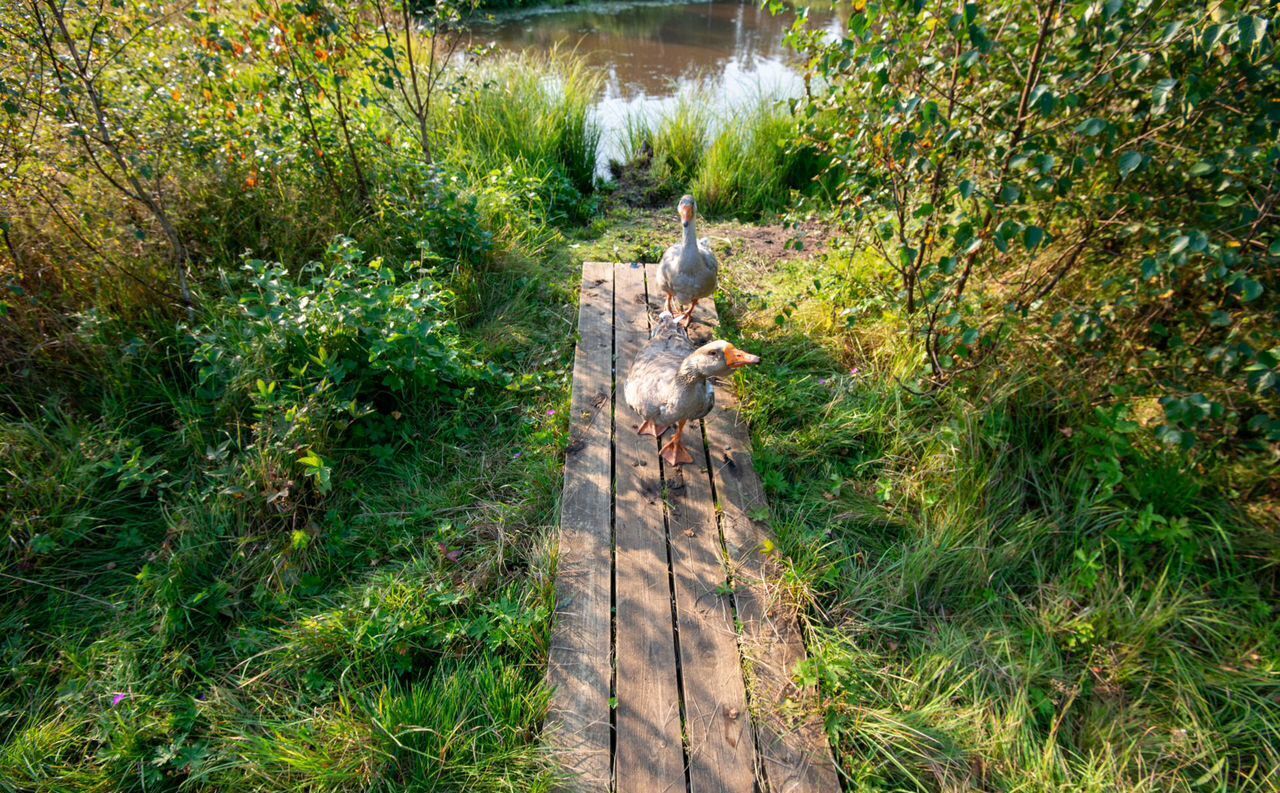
[(635, 186), (773, 241)]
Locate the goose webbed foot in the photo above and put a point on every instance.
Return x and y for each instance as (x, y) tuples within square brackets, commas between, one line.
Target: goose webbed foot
[(649, 428), (687, 316), (674, 452)]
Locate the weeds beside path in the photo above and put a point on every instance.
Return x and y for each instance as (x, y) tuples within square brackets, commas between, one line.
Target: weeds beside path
[(1007, 590)]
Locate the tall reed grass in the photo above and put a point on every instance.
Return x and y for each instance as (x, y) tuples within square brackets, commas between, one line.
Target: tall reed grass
[(679, 140), (531, 110), (749, 170), (745, 165)]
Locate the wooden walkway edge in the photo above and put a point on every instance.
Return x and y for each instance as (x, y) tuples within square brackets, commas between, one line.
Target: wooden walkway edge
[(673, 651)]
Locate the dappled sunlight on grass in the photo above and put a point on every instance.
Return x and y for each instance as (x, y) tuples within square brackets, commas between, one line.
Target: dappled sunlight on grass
[(983, 611)]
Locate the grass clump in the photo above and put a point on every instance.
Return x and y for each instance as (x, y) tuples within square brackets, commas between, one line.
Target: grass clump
[(747, 167), (525, 109), (679, 139), (748, 171)]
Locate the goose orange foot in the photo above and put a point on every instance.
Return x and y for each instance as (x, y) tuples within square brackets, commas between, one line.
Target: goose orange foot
[(674, 452), (649, 428), (687, 317)]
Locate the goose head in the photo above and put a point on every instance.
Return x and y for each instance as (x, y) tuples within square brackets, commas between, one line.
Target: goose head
[(717, 359), (687, 209)]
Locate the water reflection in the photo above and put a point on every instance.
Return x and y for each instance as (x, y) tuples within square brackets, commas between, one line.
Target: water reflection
[(649, 53)]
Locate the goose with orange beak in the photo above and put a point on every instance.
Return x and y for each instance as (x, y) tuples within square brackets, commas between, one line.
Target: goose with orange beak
[(670, 382), (687, 272)]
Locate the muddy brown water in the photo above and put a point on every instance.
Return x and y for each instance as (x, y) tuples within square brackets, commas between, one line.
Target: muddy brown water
[(650, 52)]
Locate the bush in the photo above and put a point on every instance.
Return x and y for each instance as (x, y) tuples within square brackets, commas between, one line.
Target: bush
[(311, 355), (1098, 182)]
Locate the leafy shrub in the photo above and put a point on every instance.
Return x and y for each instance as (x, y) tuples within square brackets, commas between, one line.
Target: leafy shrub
[(310, 355), (431, 205), (1099, 179)]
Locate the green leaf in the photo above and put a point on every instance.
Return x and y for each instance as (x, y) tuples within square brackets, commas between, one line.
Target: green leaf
[(1212, 35), (1129, 162), (1091, 127), (1201, 168), (1160, 94), (1249, 289), (1043, 100), (966, 189), (1179, 245), (1252, 29), (1032, 236), (1172, 436)]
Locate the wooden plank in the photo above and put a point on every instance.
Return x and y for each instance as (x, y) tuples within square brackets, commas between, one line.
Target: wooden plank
[(650, 755), (721, 748), (579, 668), (792, 743)]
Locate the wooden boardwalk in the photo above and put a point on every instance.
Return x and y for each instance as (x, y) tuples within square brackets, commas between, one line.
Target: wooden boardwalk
[(673, 650)]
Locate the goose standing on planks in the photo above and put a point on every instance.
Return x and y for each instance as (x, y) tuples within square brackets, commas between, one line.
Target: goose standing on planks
[(670, 382), (687, 272)]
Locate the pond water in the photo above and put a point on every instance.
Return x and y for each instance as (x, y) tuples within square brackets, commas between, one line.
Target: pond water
[(650, 52)]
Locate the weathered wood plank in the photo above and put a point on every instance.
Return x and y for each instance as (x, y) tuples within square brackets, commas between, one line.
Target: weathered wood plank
[(649, 756), (792, 744), (579, 668), (721, 748)]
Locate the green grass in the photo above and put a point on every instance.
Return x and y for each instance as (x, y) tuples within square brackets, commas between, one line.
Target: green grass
[(679, 138), (747, 167), (989, 607), (528, 110), (748, 172)]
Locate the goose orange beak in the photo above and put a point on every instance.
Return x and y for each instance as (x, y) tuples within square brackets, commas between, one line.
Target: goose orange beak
[(686, 213), (736, 359)]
